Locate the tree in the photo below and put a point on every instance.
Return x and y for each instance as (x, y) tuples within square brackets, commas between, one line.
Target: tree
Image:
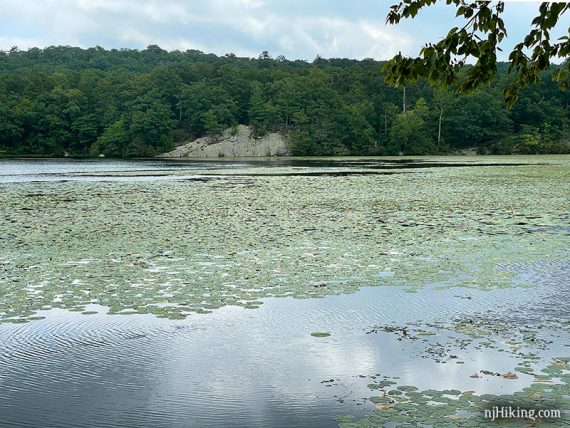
[(361, 133), (479, 120), (113, 140), (288, 98), (443, 99), (444, 62), (410, 134), (84, 130), (199, 98), (126, 102), (211, 124), (262, 112), (150, 124)]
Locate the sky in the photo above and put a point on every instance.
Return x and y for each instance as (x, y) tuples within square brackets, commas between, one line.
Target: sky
[(297, 29)]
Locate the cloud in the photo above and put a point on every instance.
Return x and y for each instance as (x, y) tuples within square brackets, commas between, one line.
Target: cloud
[(296, 28), (6, 43), (338, 37)]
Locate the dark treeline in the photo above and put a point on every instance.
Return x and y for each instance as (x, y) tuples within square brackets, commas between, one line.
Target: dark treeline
[(70, 101)]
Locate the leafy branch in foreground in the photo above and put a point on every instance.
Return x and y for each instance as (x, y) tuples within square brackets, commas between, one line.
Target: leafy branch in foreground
[(443, 63)]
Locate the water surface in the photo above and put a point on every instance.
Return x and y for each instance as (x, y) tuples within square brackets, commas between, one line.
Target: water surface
[(424, 253), (240, 367)]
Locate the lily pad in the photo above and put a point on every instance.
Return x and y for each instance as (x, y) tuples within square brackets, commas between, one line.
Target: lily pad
[(320, 334)]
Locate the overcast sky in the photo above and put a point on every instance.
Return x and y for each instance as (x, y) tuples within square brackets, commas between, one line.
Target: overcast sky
[(298, 29)]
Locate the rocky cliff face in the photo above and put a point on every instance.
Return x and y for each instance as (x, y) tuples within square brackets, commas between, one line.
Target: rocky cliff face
[(242, 144)]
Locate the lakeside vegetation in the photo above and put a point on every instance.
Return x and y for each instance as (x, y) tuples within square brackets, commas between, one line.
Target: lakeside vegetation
[(125, 103)]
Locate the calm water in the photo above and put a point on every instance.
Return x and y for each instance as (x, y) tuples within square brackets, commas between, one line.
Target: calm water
[(15, 171), (240, 367), (29, 170)]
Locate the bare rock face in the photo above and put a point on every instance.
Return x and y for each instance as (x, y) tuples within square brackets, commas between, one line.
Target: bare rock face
[(240, 144)]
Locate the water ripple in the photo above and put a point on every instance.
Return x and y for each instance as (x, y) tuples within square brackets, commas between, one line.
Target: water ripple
[(240, 367)]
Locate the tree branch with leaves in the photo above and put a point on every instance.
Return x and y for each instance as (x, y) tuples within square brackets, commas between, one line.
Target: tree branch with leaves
[(444, 63)]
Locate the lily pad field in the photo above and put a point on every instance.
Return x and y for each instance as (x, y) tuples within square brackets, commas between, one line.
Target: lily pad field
[(352, 292)]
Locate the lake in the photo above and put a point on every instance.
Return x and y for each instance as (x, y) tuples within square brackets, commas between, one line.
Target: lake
[(283, 292)]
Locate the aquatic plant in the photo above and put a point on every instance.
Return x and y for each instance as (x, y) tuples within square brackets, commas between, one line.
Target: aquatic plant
[(177, 247)]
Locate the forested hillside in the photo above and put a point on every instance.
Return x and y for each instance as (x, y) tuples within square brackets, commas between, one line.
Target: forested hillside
[(70, 101)]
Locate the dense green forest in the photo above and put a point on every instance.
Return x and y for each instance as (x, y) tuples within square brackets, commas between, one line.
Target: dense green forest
[(70, 101)]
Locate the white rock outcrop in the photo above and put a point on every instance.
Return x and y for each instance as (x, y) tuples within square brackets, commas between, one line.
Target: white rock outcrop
[(241, 144)]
